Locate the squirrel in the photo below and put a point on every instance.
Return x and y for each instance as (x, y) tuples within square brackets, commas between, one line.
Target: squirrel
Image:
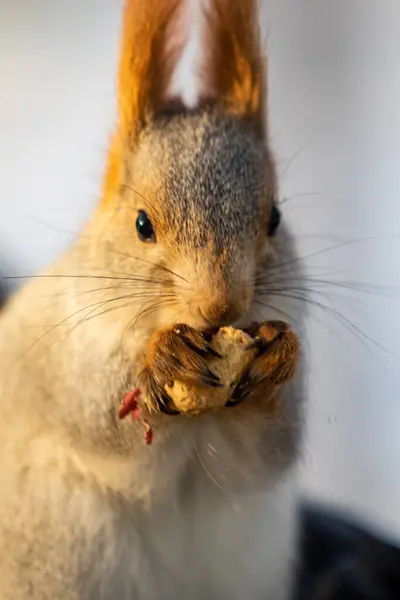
[(187, 232)]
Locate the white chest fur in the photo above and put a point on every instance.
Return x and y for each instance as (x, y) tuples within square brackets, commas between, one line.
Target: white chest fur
[(216, 546)]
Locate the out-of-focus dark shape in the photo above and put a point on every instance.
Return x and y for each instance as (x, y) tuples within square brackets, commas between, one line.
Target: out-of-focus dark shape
[(3, 293), (343, 561)]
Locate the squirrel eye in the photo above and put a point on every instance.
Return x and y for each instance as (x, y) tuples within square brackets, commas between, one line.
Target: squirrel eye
[(274, 220), (145, 228)]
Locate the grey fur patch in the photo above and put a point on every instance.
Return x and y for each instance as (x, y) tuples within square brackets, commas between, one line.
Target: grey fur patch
[(214, 177)]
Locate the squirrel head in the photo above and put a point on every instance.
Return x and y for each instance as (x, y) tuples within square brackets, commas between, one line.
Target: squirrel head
[(195, 188)]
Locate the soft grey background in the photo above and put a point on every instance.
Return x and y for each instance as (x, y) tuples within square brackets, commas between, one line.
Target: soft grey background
[(335, 125)]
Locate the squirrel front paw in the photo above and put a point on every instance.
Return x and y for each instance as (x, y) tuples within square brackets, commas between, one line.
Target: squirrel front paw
[(178, 352), (274, 364)]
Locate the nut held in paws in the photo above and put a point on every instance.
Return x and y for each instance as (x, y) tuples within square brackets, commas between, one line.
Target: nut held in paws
[(232, 345)]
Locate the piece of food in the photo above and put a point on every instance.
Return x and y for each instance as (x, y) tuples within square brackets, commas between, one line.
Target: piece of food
[(232, 344), (235, 351), (130, 406)]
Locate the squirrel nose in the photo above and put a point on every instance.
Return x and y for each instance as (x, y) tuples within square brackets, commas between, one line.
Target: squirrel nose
[(220, 314)]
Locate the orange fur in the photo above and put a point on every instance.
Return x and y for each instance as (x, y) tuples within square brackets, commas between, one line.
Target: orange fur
[(114, 166), (145, 69), (235, 69)]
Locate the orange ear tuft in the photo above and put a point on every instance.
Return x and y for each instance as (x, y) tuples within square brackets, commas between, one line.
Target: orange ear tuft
[(145, 69), (146, 63), (235, 66)]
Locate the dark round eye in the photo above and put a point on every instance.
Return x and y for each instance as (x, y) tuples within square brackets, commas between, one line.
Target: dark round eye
[(274, 220), (145, 228)]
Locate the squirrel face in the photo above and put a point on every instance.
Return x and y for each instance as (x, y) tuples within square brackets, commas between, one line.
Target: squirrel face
[(202, 185), (200, 182)]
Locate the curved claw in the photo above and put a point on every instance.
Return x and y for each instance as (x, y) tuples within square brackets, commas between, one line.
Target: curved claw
[(195, 341), (244, 388), (167, 408), (273, 365), (178, 353)]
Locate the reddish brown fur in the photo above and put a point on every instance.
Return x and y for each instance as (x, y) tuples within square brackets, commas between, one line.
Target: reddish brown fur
[(235, 69), (145, 69)]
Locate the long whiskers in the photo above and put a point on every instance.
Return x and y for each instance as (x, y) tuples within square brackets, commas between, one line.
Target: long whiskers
[(91, 308), (343, 244), (303, 296), (205, 469), (280, 311), (267, 284)]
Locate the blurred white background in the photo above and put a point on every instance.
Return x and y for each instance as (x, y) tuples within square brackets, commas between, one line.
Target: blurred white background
[(334, 81)]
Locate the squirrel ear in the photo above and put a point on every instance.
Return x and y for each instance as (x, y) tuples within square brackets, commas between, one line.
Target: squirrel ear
[(148, 57), (234, 73), (146, 61)]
